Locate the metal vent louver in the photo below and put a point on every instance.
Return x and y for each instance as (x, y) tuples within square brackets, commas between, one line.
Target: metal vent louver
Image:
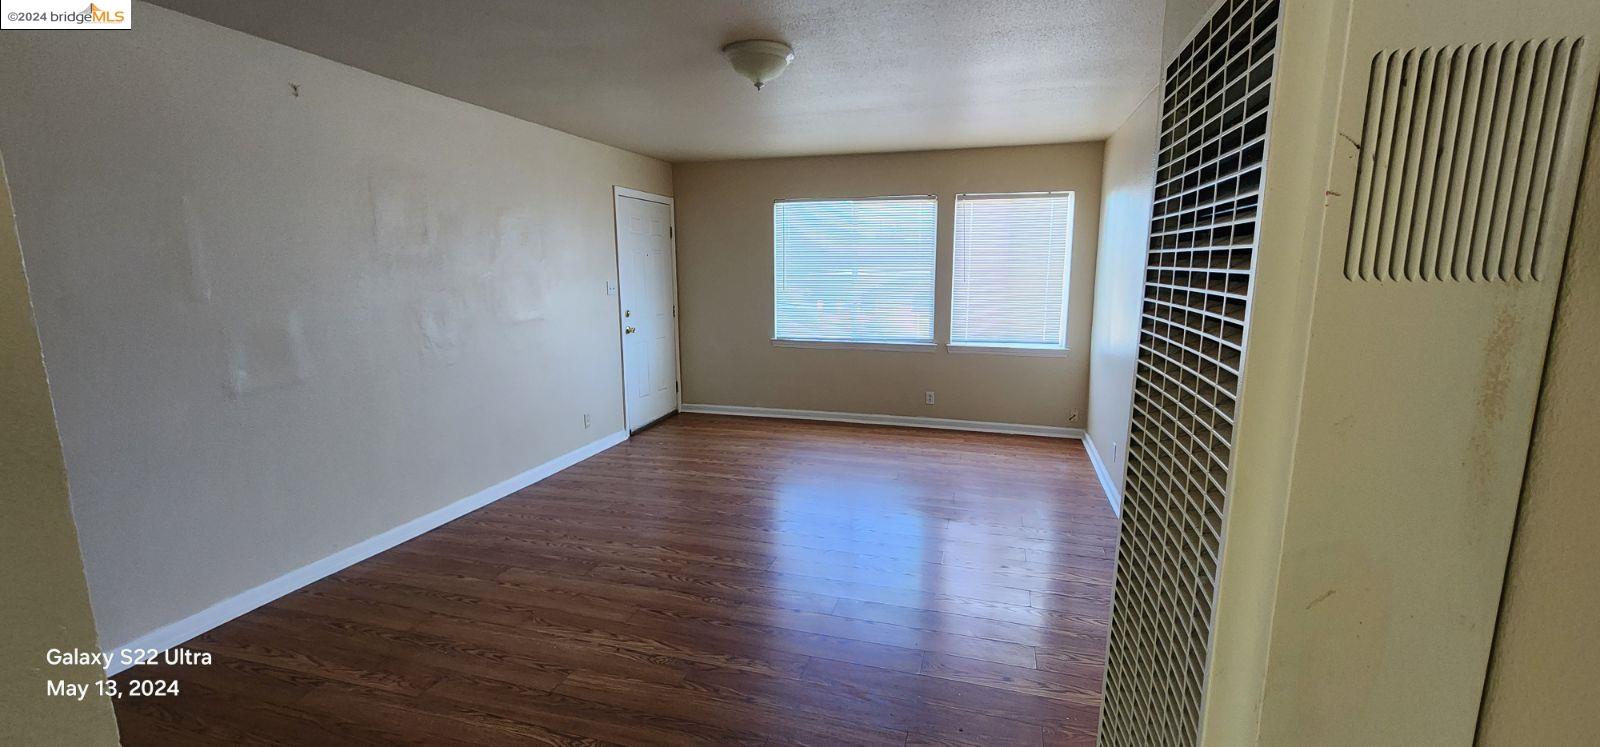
[(1215, 101), (1457, 152)]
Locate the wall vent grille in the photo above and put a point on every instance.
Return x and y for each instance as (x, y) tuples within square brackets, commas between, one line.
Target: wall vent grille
[(1457, 150), (1215, 101)]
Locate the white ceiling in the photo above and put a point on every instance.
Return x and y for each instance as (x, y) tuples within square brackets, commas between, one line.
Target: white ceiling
[(646, 75)]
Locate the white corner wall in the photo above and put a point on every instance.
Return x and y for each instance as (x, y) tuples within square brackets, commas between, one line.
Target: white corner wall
[(287, 306), (1127, 190)]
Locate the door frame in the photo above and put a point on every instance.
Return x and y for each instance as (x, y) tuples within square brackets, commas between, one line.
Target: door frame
[(618, 192)]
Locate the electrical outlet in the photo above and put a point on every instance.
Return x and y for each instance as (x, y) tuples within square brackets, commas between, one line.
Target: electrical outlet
[(928, 397), (586, 420)]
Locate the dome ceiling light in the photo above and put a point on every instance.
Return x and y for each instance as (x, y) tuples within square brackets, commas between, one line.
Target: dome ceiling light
[(758, 59)]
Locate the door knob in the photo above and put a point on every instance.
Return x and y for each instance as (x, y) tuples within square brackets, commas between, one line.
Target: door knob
[(628, 330)]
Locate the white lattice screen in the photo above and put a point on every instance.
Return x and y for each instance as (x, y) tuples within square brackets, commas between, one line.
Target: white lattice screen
[(1197, 289)]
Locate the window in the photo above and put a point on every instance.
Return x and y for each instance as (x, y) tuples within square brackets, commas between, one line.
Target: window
[(1010, 285), (854, 270)]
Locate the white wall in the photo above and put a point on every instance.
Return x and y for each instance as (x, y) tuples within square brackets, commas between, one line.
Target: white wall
[(286, 305), (1127, 191)]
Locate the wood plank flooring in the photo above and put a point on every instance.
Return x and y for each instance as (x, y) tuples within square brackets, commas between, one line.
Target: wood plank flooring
[(714, 580)]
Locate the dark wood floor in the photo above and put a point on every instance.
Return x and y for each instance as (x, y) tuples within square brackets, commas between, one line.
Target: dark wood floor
[(713, 580)]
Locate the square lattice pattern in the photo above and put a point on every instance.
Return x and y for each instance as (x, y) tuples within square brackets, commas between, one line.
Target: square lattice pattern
[(1197, 287)]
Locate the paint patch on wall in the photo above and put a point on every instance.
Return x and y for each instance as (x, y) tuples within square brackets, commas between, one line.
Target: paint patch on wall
[(518, 235), (517, 280), (195, 242), (404, 222), (518, 297), (441, 321), (263, 356)]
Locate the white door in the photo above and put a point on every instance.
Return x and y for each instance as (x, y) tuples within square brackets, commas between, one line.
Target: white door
[(647, 271)]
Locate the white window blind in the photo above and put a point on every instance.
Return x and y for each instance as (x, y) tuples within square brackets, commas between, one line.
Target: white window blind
[(1011, 256), (854, 270)]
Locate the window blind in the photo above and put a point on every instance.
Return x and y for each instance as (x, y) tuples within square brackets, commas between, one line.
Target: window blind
[(1010, 284), (854, 270)]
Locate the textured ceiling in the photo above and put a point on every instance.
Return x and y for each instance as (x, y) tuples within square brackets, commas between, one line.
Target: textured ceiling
[(646, 75)]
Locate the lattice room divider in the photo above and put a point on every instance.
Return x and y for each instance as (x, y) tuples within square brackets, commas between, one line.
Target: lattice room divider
[(1209, 170)]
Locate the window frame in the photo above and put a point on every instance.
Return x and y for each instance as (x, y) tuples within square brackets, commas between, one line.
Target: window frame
[(922, 346), (1044, 350)]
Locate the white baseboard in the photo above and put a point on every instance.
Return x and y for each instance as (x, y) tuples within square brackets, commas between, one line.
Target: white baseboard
[(1107, 484), (183, 630), (908, 421)]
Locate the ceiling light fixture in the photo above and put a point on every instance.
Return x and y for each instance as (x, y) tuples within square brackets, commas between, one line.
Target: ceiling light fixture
[(758, 59)]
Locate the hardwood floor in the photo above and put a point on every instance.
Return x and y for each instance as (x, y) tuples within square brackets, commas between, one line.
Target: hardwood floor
[(713, 580)]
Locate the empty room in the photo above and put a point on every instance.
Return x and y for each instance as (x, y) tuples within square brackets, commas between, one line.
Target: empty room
[(916, 372)]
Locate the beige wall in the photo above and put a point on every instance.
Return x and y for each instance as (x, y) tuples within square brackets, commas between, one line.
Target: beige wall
[(287, 305), (46, 602), (1543, 685), (1128, 190), (724, 214)]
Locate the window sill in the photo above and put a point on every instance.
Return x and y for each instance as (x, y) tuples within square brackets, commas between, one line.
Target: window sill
[(899, 347), (1033, 352)]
